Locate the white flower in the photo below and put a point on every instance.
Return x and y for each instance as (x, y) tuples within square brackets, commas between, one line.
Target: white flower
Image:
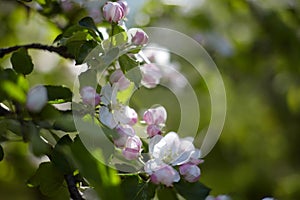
[(151, 75), (173, 150), (113, 12), (37, 98), (155, 119), (89, 96), (112, 112), (117, 77), (132, 149)]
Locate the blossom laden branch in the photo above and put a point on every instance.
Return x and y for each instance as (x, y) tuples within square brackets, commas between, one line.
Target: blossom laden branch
[(60, 50)]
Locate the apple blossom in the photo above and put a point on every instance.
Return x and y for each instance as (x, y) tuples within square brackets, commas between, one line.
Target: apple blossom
[(132, 149), (112, 113), (113, 12), (124, 131), (171, 149), (125, 7), (165, 175), (37, 98), (117, 77), (190, 172), (153, 130), (151, 75), (89, 96), (155, 116), (139, 37)]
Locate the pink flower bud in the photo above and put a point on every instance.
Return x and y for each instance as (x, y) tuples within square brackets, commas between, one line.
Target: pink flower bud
[(37, 98), (119, 78), (151, 75), (113, 12), (90, 96), (140, 38), (190, 172), (165, 175), (132, 148), (124, 132), (153, 130), (125, 7), (155, 116)]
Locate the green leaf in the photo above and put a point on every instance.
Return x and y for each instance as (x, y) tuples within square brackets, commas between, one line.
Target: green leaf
[(88, 78), (61, 155), (127, 63), (58, 94), (111, 55), (84, 50), (38, 146), (13, 91), (166, 193), (1, 153), (192, 191), (102, 178), (22, 62), (135, 75), (88, 22), (135, 188), (49, 180), (65, 123)]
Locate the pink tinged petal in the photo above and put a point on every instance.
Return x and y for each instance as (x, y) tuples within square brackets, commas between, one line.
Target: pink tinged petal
[(117, 77), (125, 115), (125, 130), (140, 38), (113, 12), (151, 75), (166, 175), (156, 116), (190, 172), (125, 7), (132, 148), (121, 140), (153, 130), (37, 98), (90, 96), (106, 117)]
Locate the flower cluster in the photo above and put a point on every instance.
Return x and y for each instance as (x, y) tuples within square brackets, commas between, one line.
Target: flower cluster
[(170, 157)]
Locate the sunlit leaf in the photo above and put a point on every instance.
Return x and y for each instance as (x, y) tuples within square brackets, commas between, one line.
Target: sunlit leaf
[(127, 63), (58, 94)]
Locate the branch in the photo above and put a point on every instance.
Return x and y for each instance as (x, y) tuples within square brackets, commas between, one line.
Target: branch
[(71, 182), (61, 50)]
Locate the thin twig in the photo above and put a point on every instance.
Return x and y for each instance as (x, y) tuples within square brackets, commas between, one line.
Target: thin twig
[(61, 50), (71, 182)]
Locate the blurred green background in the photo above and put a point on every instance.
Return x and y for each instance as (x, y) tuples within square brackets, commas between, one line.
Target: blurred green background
[(256, 46)]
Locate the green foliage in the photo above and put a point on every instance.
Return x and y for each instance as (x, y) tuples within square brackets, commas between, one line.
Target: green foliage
[(22, 62), (192, 191), (58, 94), (50, 182), (135, 188)]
